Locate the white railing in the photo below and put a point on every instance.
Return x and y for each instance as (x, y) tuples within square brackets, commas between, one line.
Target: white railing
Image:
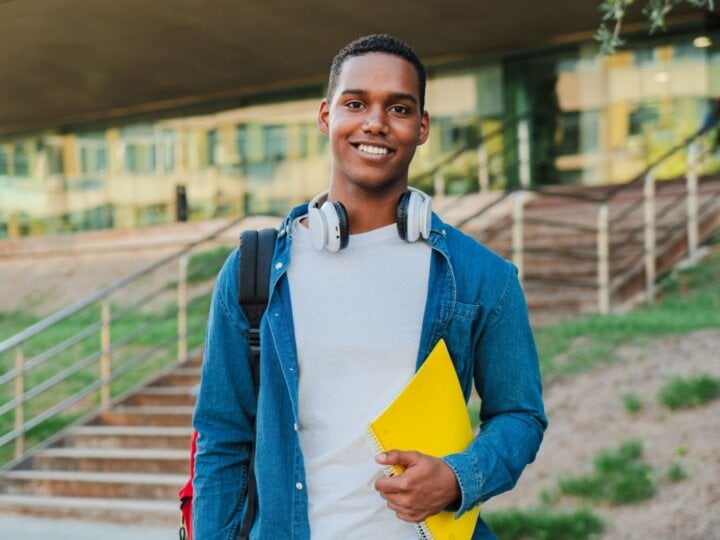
[(615, 228), (135, 335)]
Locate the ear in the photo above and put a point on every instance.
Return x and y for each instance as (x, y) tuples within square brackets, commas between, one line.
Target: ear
[(324, 117), (424, 128)]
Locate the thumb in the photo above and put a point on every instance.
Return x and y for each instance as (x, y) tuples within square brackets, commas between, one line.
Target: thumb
[(396, 457)]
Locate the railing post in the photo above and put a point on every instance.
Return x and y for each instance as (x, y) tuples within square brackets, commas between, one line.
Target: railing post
[(182, 308), (649, 222), (603, 254), (483, 169), (439, 185), (692, 202), (105, 362), (517, 231), (524, 152), (20, 402)]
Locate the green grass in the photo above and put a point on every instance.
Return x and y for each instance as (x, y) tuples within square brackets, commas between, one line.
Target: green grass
[(620, 476), (544, 524), (676, 472), (206, 264), (690, 301), (632, 403), (164, 331), (682, 392)]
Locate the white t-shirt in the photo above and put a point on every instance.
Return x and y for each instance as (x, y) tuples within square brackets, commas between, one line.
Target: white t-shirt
[(358, 317)]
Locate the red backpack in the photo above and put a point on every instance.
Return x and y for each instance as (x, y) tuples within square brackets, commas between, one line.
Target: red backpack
[(254, 257)]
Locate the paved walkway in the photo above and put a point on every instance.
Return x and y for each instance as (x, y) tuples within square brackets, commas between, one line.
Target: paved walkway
[(32, 528)]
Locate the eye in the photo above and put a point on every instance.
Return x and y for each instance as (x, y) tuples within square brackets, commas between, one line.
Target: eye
[(399, 109), (354, 104)]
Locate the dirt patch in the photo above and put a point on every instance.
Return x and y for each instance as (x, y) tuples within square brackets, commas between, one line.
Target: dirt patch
[(587, 415)]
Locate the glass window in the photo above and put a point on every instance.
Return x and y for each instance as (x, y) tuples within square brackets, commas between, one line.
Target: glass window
[(241, 140), (21, 160), (212, 142), (166, 146), (54, 159), (570, 129), (93, 153), (140, 148), (4, 162), (275, 142), (643, 115)]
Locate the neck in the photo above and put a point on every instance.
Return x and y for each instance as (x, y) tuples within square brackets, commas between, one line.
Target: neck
[(368, 210)]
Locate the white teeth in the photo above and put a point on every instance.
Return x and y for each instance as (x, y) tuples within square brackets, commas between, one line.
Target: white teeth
[(377, 150)]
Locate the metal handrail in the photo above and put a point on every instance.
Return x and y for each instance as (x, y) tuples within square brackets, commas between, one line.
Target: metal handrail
[(663, 226), (57, 374), (103, 293)]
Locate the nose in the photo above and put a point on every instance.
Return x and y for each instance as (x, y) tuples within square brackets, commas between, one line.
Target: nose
[(375, 121)]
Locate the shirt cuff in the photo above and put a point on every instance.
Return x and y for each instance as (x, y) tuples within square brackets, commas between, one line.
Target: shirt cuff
[(464, 467)]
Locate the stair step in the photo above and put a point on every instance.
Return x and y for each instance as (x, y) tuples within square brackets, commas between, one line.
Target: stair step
[(164, 396), (146, 460), (93, 484), (184, 376), (195, 361), (161, 437), (135, 511), (147, 416)]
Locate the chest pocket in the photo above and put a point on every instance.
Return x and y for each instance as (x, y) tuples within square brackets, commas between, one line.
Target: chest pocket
[(461, 334)]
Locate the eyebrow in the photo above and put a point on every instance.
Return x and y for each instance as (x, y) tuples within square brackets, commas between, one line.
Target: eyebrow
[(394, 95)]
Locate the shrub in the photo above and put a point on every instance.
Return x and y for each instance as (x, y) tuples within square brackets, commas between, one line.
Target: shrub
[(676, 472), (681, 392), (632, 403), (543, 524), (619, 476)]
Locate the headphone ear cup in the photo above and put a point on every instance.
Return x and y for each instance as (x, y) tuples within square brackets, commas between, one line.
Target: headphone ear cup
[(317, 224), (401, 214), (425, 217), (413, 213), (343, 224)]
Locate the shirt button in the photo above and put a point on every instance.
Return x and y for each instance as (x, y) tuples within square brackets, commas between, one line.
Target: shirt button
[(295, 427), (298, 486), (278, 266)]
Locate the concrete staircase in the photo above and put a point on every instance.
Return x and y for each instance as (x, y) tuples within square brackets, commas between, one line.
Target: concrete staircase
[(126, 465), (560, 244)]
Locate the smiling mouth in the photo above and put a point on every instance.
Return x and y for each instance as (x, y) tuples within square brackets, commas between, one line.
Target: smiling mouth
[(373, 150)]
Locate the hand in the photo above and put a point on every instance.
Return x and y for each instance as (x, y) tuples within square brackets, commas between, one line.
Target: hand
[(426, 487)]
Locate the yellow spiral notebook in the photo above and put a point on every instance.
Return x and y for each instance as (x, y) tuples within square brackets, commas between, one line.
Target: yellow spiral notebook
[(429, 416)]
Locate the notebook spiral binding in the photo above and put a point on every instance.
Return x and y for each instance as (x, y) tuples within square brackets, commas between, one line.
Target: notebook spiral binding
[(390, 470)]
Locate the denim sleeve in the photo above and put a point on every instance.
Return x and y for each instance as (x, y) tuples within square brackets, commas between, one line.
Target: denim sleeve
[(507, 378), (223, 415)]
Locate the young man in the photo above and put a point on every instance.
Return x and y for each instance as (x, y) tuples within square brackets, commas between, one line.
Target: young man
[(356, 304)]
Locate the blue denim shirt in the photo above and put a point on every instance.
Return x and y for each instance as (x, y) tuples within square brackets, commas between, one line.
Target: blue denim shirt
[(474, 302)]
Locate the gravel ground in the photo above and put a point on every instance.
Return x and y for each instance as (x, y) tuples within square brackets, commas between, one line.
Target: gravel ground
[(587, 414)]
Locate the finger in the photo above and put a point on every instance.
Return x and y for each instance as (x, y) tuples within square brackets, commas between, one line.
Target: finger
[(397, 457), (386, 488)]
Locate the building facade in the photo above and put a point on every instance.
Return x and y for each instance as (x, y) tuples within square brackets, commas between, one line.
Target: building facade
[(587, 120)]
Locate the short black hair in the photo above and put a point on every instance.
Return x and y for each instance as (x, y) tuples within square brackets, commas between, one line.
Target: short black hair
[(382, 43)]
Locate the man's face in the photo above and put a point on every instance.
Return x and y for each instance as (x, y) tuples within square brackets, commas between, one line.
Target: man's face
[(374, 122)]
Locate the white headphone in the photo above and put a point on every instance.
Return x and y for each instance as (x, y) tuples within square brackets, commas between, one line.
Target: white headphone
[(329, 225)]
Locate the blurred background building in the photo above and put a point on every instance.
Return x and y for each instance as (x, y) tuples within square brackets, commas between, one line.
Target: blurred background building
[(113, 114)]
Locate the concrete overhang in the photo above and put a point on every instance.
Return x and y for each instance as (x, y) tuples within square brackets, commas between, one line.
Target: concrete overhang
[(64, 62)]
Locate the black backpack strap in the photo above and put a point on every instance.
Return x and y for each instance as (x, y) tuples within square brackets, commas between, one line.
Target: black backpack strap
[(254, 258)]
